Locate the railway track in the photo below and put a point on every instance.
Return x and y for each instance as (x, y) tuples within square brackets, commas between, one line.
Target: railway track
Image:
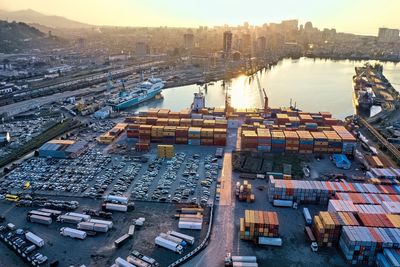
[(390, 147)]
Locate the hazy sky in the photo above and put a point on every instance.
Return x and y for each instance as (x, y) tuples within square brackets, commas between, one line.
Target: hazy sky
[(357, 16)]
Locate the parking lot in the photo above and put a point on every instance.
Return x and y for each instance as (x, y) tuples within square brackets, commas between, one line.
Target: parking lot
[(99, 250)]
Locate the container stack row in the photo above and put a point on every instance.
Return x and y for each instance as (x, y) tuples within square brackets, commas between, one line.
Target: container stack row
[(204, 123), (390, 257), (110, 136), (304, 142), (360, 245), (178, 134), (322, 191), (257, 224), (363, 198)]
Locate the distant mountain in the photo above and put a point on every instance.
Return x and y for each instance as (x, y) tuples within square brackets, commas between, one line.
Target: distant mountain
[(33, 17), (18, 36)]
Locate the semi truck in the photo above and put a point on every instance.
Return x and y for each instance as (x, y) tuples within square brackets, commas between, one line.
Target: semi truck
[(248, 261), (165, 243), (121, 240), (307, 216), (90, 226), (34, 239), (189, 239), (39, 219), (69, 219), (74, 233), (39, 213)]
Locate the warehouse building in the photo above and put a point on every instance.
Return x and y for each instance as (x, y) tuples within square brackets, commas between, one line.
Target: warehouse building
[(62, 149)]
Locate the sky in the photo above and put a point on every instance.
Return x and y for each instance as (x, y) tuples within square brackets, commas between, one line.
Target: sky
[(355, 16)]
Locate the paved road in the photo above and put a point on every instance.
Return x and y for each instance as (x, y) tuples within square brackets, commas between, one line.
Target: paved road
[(221, 240)]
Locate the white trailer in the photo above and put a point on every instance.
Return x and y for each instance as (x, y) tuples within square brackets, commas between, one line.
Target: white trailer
[(172, 238), (131, 230), (244, 259), (119, 199), (116, 207), (244, 264), (34, 239), (108, 223), (53, 212), (189, 239), (74, 233), (168, 244), (90, 226), (120, 262), (190, 225), (307, 216), (84, 217), (40, 219), (69, 219)]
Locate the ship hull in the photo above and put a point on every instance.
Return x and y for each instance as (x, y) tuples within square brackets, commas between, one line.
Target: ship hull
[(136, 101)]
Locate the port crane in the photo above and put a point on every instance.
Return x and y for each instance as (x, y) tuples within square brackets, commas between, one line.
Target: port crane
[(263, 94)]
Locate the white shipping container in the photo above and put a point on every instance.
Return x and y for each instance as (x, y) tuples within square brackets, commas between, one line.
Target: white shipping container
[(190, 225)]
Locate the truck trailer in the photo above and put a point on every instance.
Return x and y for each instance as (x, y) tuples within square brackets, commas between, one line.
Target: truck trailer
[(34, 239), (307, 216), (270, 241), (74, 233), (39, 219), (121, 240), (117, 199), (168, 244), (84, 217), (120, 262), (90, 226), (116, 207), (69, 219), (189, 239), (108, 223)]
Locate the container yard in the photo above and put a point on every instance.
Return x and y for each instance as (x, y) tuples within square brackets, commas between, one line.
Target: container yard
[(148, 182)]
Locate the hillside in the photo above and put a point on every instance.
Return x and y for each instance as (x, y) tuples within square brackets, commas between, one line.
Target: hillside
[(32, 17), (15, 37)]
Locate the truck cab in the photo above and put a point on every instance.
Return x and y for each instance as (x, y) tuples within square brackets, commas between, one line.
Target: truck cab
[(228, 259), (314, 246)]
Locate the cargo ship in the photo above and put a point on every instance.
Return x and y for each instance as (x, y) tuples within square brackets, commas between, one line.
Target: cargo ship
[(363, 95), (142, 92)]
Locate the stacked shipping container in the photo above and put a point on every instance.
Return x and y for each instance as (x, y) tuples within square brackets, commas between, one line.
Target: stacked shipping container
[(259, 224)]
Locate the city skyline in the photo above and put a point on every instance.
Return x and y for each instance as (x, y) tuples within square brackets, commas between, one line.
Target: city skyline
[(351, 17)]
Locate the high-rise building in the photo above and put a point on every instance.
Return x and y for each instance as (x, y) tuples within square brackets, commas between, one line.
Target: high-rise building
[(227, 42), (290, 25), (386, 35), (245, 46), (261, 45), (188, 40)]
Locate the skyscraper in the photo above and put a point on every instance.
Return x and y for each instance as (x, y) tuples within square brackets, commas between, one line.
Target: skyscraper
[(188, 40), (227, 42), (386, 35)]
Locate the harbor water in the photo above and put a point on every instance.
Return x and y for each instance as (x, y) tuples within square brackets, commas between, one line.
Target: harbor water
[(313, 84)]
